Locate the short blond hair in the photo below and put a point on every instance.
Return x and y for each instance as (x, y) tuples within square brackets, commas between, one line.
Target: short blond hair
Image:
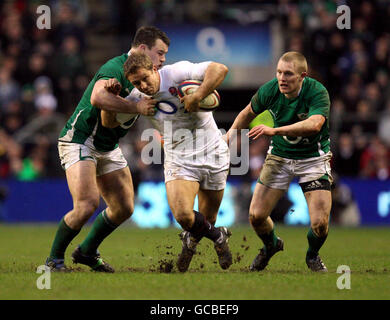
[(135, 61), (297, 58)]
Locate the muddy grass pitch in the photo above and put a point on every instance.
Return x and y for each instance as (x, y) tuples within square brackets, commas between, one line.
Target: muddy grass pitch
[(144, 260)]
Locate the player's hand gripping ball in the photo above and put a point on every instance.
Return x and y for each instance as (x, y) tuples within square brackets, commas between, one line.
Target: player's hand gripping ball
[(211, 102)]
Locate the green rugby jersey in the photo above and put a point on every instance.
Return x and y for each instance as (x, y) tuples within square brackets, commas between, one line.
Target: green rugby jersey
[(313, 99), (85, 122)]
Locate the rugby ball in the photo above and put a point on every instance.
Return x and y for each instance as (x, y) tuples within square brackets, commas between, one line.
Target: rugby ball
[(209, 103)]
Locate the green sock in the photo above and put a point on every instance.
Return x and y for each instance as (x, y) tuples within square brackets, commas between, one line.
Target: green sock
[(315, 243), (269, 239), (101, 228), (62, 240)]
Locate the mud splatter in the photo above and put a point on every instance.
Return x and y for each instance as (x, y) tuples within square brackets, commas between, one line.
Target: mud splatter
[(165, 266)]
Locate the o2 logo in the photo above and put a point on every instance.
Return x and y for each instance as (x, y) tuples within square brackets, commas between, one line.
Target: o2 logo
[(166, 107)]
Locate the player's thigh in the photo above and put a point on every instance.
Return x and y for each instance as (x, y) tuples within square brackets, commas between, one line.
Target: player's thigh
[(276, 172), (181, 196), (319, 203), (264, 200), (81, 178), (116, 188), (209, 202)]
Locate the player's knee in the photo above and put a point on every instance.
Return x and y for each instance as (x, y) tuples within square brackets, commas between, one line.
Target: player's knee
[(320, 227), (256, 217), (185, 219), (125, 211), (86, 208)]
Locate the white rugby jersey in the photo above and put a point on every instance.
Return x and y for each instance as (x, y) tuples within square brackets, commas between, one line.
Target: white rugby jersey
[(189, 137)]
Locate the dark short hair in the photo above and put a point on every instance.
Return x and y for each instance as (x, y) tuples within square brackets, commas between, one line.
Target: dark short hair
[(136, 61), (149, 35)]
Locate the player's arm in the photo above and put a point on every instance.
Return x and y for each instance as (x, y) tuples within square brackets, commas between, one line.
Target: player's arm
[(103, 99), (214, 75), (108, 118), (304, 128), (106, 100), (242, 121)]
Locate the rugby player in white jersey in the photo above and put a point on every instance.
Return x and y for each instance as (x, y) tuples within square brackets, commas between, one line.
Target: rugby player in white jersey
[(196, 157)]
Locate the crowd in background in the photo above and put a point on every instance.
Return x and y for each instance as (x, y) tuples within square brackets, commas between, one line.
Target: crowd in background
[(42, 77), (43, 74)]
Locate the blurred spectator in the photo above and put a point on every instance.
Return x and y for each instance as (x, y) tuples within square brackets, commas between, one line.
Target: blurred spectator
[(383, 81), (373, 96), (382, 52), (9, 89), (12, 122), (14, 41), (11, 154), (68, 23), (45, 102), (337, 113), (345, 211), (36, 67), (33, 165), (384, 125), (70, 74), (200, 11), (375, 160), (346, 157), (365, 117), (350, 97), (72, 63)]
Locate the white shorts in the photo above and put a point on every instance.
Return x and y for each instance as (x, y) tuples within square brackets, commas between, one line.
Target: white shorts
[(105, 162), (207, 178), (278, 172), (209, 169)]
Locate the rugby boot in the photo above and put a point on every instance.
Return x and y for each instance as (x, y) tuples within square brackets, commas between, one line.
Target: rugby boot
[(187, 251), (95, 262), (262, 259), (315, 264), (221, 247), (56, 265)]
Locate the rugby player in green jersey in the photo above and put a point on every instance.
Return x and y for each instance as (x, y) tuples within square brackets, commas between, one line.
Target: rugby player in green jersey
[(92, 160), (299, 148)]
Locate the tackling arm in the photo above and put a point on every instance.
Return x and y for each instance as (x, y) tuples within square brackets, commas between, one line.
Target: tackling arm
[(242, 121), (106, 100), (308, 127), (103, 97)]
